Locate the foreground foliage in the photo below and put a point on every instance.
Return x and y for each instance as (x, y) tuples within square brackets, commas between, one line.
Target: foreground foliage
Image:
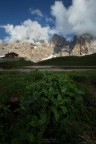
[(41, 107)]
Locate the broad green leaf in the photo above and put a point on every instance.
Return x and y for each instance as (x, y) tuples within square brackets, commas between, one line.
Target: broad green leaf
[(43, 119), (59, 98), (34, 122), (54, 101), (64, 109), (56, 114)]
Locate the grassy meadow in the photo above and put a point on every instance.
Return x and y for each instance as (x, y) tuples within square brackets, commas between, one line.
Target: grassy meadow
[(69, 61), (42, 107), (15, 64), (88, 60)]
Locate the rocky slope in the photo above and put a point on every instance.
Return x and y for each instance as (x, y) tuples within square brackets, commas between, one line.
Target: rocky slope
[(57, 46), (28, 50), (83, 45), (60, 43)]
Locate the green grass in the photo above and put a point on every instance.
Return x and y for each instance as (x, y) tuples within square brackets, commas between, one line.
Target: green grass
[(89, 60), (15, 64), (38, 106)]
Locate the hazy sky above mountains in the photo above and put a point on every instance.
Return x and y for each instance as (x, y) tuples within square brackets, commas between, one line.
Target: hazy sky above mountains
[(31, 20)]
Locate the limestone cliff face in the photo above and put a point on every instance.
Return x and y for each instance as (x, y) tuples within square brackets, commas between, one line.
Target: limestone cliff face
[(57, 46), (83, 45), (60, 43), (3, 49), (33, 52)]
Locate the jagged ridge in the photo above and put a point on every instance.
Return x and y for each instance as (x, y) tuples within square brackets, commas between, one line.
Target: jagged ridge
[(56, 47)]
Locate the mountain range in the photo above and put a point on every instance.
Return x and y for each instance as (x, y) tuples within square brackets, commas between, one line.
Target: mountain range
[(57, 46)]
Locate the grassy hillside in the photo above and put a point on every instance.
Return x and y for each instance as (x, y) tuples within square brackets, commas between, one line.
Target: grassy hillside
[(39, 107), (89, 60), (15, 64)]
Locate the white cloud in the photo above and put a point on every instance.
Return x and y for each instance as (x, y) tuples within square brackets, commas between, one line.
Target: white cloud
[(36, 12), (78, 19), (29, 31), (49, 19), (41, 15), (59, 11)]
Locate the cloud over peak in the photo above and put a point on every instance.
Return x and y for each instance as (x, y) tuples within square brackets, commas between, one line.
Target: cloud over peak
[(78, 19), (29, 31)]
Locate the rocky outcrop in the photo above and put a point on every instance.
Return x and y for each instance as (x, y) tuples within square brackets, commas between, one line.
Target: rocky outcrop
[(83, 45), (29, 51), (60, 43), (56, 47)]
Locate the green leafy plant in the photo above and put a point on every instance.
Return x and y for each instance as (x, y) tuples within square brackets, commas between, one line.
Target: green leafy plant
[(38, 106)]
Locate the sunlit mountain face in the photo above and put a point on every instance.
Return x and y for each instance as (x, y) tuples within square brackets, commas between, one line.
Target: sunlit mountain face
[(57, 46)]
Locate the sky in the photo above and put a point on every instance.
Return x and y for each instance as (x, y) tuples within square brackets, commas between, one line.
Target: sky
[(33, 20)]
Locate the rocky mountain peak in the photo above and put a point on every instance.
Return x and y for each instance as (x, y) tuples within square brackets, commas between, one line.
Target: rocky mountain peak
[(57, 46), (59, 43), (59, 40), (83, 38), (83, 45)]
